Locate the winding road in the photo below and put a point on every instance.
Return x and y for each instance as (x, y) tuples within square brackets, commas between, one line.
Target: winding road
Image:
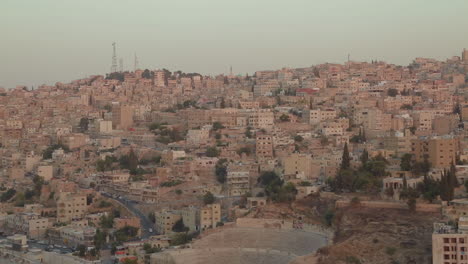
[(146, 223)]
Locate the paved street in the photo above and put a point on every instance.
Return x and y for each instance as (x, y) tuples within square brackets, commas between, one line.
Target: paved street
[(146, 223)]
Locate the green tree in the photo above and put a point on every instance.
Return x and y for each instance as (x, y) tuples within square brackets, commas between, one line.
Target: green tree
[(38, 182), (84, 123), (245, 150), (364, 157), (329, 215), (392, 92), (248, 132), (20, 199), (81, 250), (130, 261), (129, 162), (221, 170), (389, 192), (324, 140), (179, 226), (286, 193), (284, 118), (180, 239), (125, 233), (223, 103), (47, 153), (217, 125), (149, 249), (422, 168), (298, 138), (345, 161), (6, 196), (429, 188), (116, 76), (208, 198), (152, 217), (29, 194), (411, 204), (107, 221), (377, 167), (453, 176), (407, 107), (268, 177), (212, 152), (147, 74), (406, 162)]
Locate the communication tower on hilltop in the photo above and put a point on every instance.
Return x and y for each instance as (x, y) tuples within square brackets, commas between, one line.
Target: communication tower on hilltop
[(135, 67), (114, 59)]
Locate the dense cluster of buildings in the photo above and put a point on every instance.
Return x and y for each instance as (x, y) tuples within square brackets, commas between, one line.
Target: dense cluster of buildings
[(168, 139)]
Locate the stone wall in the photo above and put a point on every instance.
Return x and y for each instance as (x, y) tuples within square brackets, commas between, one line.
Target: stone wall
[(217, 229), (420, 207), (263, 223)]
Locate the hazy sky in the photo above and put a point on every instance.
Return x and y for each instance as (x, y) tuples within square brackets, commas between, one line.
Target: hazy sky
[(45, 41)]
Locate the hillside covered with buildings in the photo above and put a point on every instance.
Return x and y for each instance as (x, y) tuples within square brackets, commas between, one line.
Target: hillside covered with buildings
[(135, 166)]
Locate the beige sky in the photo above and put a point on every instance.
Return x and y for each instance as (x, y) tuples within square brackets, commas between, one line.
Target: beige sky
[(61, 40)]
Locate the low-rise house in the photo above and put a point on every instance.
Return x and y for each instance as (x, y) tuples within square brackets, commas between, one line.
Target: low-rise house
[(30, 224)]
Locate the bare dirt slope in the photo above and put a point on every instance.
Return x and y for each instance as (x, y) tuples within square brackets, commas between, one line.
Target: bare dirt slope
[(363, 235), (380, 236)]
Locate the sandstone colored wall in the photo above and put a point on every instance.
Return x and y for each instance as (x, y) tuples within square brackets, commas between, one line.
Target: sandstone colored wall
[(264, 223), (430, 208)]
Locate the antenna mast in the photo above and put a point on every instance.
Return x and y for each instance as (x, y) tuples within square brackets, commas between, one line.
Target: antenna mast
[(136, 63), (121, 64), (114, 59)]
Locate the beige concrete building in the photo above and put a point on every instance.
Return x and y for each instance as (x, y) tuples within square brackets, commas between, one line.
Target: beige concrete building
[(104, 126), (238, 182), (75, 140), (122, 116), (298, 166), (449, 245), (261, 118), (30, 224), (165, 220), (441, 151), (264, 146), (196, 137), (46, 172), (31, 161), (108, 143), (210, 215), (73, 236), (191, 218), (318, 115), (71, 206)]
